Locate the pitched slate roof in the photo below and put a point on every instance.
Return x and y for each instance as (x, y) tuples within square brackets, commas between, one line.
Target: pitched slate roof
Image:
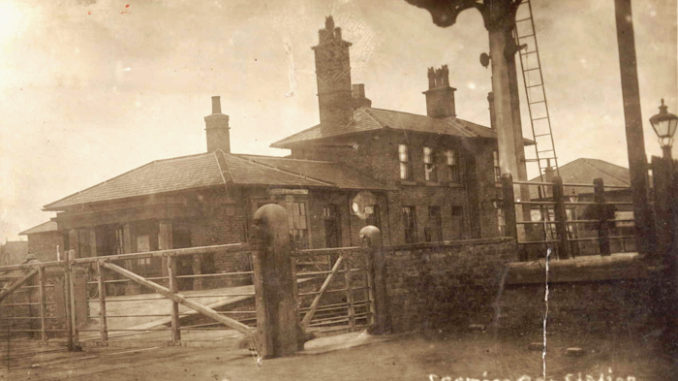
[(336, 174), (218, 169), (584, 170), (45, 227), (371, 119)]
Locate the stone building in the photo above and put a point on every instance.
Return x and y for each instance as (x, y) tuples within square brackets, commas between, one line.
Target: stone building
[(417, 177)]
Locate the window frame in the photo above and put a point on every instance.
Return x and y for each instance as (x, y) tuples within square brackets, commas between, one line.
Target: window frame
[(409, 219), (429, 164), (405, 162), (452, 163)]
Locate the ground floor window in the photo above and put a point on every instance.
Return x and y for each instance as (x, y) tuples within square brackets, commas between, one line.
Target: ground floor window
[(434, 229), (409, 219), (298, 227)]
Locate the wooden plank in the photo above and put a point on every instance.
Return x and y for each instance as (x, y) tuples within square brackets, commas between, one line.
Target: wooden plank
[(349, 295), (71, 291), (316, 301), (18, 283), (603, 233), (561, 218), (174, 311), (43, 303), (103, 324), (234, 247), (178, 298)]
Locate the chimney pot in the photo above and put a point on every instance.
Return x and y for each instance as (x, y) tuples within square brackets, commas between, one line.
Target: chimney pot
[(439, 96), (216, 105), (216, 129)]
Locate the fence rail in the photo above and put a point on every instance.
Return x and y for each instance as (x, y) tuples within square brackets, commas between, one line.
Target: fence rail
[(565, 222)]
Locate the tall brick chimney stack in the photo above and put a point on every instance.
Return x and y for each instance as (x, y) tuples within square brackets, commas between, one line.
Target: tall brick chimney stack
[(333, 73), (439, 96), (216, 128)]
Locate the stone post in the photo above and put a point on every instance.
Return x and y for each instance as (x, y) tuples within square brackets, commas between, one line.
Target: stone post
[(278, 330), (370, 236)]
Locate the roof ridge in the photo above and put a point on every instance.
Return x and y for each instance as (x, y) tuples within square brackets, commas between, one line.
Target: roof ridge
[(284, 158), (605, 171), (224, 171), (284, 170)]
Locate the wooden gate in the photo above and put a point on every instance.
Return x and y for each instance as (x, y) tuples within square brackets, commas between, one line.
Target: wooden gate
[(335, 289)]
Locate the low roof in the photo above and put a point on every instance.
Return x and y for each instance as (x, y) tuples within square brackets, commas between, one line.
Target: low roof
[(372, 119), (218, 169), (585, 170), (45, 227)]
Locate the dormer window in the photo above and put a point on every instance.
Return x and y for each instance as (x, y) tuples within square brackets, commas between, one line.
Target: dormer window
[(452, 163), (429, 166), (404, 158)]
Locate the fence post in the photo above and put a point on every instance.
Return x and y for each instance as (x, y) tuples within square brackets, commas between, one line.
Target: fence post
[(43, 304), (370, 237), (602, 211), (661, 176), (103, 324), (278, 329), (508, 205), (172, 286), (561, 218)]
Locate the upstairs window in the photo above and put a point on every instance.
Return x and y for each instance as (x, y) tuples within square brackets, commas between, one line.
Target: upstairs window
[(497, 169), (429, 166), (452, 162), (404, 158)]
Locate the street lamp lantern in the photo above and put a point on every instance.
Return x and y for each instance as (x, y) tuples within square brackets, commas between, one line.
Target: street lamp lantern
[(664, 125)]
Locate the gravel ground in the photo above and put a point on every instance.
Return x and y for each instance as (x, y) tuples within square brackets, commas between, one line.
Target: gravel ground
[(433, 356)]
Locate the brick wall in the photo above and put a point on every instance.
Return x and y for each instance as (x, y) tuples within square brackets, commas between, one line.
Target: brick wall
[(431, 286)]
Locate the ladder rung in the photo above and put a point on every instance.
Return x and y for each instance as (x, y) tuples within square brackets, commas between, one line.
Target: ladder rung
[(546, 150), (529, 52), (531, 86), (535, 102), (523, 19), (532, 69), (525, 36), (540, 118), (540, 135)]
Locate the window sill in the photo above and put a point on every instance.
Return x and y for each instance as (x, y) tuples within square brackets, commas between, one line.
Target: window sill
[(407, 182), (453, 185)]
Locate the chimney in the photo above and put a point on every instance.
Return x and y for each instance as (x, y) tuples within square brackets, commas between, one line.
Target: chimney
[(358, 95), (493, 116), (439, 96), (333, 74), (216, 129)]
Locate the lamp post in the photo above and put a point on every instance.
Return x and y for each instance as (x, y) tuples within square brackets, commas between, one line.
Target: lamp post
[(664, 125)]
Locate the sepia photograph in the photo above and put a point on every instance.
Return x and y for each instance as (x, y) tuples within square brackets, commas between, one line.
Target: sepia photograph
[(434, 190)]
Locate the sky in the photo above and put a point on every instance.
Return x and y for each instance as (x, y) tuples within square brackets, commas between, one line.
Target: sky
[(91, 89)]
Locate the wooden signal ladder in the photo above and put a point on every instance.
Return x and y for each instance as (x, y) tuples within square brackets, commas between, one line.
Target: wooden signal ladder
[(533, 79)]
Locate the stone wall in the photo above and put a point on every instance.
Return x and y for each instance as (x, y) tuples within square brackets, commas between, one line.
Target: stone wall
[(586, 295), (446, 284)]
